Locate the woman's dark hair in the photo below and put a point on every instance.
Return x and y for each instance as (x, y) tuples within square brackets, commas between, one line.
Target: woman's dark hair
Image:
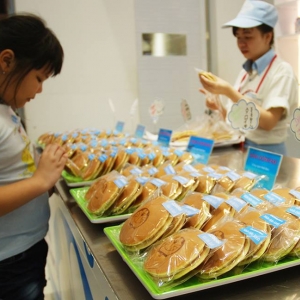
[(35, 46), (263, 28)]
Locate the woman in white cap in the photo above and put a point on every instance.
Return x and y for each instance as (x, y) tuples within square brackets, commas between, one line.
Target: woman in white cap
[(265, 79)]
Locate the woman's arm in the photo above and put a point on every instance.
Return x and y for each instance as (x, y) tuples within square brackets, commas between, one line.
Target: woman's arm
[(49, 169), (268, 118)]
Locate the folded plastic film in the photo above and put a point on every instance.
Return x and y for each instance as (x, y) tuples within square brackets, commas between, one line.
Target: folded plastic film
[(175, 259)]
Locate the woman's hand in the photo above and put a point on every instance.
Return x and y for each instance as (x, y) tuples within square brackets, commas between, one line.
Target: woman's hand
[(217, 86)]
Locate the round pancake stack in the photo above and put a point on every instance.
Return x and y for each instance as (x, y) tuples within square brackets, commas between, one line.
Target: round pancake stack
[(149, 190), (285, 193), (194, 199), (226, 257), (102, 195), (94, 167), (146, 225), (245, 182), (285, 237), (219, 214), (121, 159), (129, 194), (176, 256), (252, 218)]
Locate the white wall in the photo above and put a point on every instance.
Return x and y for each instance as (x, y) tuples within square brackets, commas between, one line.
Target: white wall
[(98, 37)]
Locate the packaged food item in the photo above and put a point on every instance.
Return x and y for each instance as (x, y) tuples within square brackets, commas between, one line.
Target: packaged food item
[(146, 225), (104, 192), (230, 254), (195, 199), (285, 233), (259, 232), (173, 259)]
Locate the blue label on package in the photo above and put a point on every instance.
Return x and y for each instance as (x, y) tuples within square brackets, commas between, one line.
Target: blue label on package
[(257, 236), (140, 130), (164, 137), (263, 163), (200, 148), (210, 240), (120, 126), (273, 220)]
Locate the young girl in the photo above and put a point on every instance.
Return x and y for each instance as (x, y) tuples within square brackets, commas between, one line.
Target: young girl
[(265, 79), (29, 54)]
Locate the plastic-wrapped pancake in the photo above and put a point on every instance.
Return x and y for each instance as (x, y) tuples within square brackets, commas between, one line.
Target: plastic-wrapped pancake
[(175, 256), (146, 225), (285, 233), (230, 254)]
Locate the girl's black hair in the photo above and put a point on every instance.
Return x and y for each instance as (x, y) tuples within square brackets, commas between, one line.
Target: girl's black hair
[(35, 46), (263, 28)]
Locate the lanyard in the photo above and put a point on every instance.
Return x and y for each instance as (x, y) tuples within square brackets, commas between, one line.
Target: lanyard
[(263, 78)]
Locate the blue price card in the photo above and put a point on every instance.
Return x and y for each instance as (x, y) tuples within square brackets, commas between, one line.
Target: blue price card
[(120, 126), (201, 148), (263, 163), (140, 130), (164, 137)]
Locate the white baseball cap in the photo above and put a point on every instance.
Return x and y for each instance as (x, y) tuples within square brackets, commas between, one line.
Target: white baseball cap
[(254, 13)]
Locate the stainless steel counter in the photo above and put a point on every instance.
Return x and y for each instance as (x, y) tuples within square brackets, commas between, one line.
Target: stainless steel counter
[(282, 284)]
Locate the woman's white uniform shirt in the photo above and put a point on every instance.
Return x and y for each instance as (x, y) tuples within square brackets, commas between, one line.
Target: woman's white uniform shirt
[(272, 83)]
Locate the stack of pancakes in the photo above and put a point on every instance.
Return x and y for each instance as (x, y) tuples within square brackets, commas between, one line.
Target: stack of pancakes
[(176, 257), (149, 223)]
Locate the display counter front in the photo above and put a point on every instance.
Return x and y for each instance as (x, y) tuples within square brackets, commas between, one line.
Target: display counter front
[(84, 264)]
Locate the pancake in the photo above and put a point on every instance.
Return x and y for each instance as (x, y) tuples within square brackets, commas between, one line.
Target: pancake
[(175, 256), (285, 237), (252, 218), (103, 197), (146, 225), (227, 256), (129, 194), (194, 199)]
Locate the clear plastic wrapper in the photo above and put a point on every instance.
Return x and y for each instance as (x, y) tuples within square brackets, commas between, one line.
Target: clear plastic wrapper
[(151, 188), (195, 199), (164, 169), (259, 232), (104, 192), (230, 254), (147, 224), (129, 194), (174, 259), (285, 233)]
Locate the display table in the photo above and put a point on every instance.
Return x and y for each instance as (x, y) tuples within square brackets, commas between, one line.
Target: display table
[(83, 263)]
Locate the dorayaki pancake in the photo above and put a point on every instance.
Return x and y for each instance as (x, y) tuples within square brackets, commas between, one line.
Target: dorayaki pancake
[(285, 193), (146, 225), (159, 157), (149, 190), (129, 194), (206, 184), (46, 138), (172, 188), (227, 256), (176, 224), (259, 193), (130, 169), (223, 212), (108, 164), (165, 168), (135, 159), (283, 238), (194, 199), (121, 159), (176, 254), (252, 218), (207, 75), (171, 156), (93, 168), (245, 182), (186, 157), (103, 197), (78, 162)]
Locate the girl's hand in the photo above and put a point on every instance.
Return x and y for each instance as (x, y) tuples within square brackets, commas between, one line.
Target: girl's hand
[(50, 166)]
